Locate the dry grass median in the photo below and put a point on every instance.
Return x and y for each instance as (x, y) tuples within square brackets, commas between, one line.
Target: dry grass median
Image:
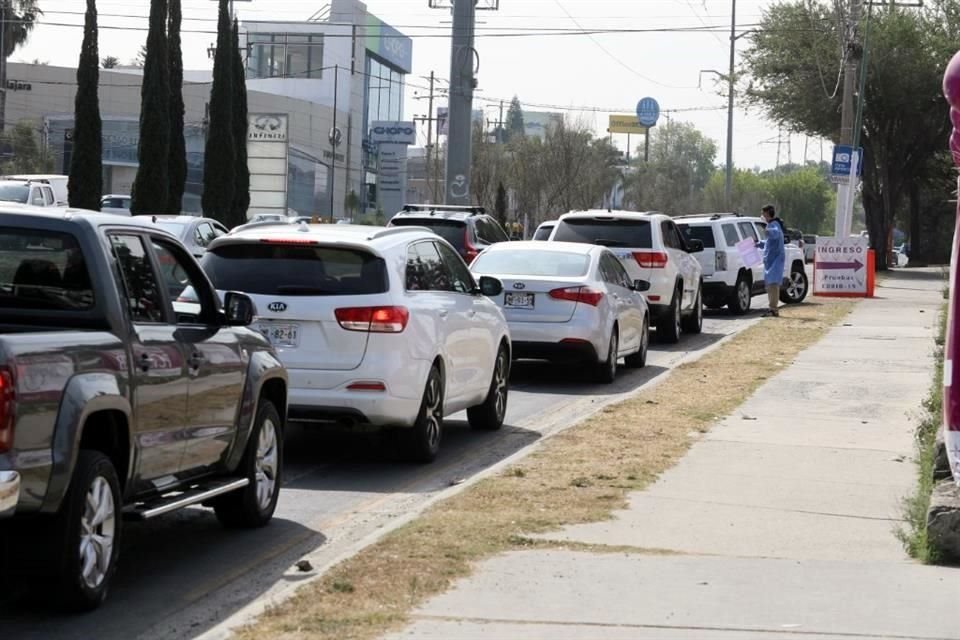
[(581, 475)]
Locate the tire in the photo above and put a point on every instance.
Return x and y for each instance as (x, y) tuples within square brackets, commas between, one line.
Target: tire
[(693, 323), (262, 463), (639, 359), (422, 440), (86, 540), (489, 415), (741, 297), (668, 327), (796, 290), (606, 371)]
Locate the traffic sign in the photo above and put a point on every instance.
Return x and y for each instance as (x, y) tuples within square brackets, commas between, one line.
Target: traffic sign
[(839, 266), (842, 161), (648, 112)]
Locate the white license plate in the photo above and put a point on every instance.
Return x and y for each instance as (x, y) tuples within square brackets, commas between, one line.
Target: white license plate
[(518, 300), (281, 335)]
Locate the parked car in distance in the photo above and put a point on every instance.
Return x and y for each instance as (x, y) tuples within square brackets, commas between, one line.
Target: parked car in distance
[(809, 247), (34, 193), (194, 232), (652, 249), (469, 230), (569, 302), (117, 407), (727, 281), (544, 230), (382, 328), (57, 183), (117, 204)]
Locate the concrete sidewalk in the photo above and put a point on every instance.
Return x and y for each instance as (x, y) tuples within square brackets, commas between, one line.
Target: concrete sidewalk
[(779, 523)]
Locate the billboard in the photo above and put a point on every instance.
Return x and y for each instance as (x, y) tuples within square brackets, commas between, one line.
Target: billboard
[(393, 132), (625, 123), (389, 44), (267, 152)]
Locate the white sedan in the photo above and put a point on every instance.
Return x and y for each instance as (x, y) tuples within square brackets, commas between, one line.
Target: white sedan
[(569, 302)]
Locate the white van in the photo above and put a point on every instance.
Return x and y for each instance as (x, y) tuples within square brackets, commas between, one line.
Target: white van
[(57, 182)]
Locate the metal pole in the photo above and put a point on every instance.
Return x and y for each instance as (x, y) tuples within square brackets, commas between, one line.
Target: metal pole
[(844, 219), (460, 136), (501, 134), (646, 145), (3, 65), (628, 148), (430, 181), (728, 185), (333, 137)]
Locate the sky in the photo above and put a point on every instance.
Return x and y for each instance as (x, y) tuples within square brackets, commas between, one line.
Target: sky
[(585, 76)]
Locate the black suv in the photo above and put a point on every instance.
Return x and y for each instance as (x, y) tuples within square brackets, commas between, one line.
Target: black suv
[(469, 229)]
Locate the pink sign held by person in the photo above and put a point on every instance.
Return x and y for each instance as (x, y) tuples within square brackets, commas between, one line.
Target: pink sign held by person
[(951, 362)]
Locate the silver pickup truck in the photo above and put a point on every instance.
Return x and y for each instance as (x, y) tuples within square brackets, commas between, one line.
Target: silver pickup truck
[(117, 401)]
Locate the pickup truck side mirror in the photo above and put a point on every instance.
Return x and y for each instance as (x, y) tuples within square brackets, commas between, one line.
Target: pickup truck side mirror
[(694, 245), (237, 309)]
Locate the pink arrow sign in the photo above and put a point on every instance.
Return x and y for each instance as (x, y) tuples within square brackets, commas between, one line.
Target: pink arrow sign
[(856, 265)]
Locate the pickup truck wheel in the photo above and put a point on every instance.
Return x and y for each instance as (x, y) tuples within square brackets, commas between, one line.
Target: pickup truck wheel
[(87, 530), (422, 441), (741, 297), (489, 415), (253, 506), (796, 287)]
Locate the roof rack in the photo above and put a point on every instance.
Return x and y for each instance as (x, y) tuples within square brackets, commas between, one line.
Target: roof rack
[(409, 208), (711, 216)]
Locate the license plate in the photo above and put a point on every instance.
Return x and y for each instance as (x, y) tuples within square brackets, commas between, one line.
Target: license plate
[(518, 300), (281, 335)]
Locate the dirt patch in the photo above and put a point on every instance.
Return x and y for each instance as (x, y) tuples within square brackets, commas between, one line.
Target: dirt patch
[(581, 475)]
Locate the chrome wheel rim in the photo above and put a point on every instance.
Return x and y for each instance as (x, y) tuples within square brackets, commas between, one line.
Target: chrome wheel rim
[(266, 469), (500, 385), (434, 412), (98, 528), (743, 293), (796, 287)]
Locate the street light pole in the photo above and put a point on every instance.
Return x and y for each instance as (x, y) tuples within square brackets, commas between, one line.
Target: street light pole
[(728, 187), (334, 138)]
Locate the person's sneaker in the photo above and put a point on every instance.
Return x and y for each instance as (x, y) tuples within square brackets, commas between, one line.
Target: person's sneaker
[(767, 313)]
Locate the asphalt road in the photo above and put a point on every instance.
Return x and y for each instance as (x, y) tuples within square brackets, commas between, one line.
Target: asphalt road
[(182, 575)]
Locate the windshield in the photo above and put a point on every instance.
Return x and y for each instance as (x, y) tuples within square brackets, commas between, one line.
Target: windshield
[(633, 234), (703, 233), (543, 232), (43, 270), (289, 270), (530, 262), (450, 230), (14, 193)]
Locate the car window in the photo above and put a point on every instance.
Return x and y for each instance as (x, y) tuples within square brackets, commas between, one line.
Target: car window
[(492, 231), (277, 269), (608, 271), (703, 233), (484, 231), (48, 196), (425, 270), (138, 280), (807, 239), (43, 270), (670, 238), (450, 230), (634, 234), (543, 232), (15, 193), (175, 273), (219, 230), (530, 262), (730, 234), (621, 273), (204, 234), (460, 277), (746, 228), (36, 197), (762, 230)]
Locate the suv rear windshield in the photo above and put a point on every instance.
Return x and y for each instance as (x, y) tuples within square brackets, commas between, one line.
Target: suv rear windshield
[(450, 230), (543, 232), (633, 234), (43, 270), (702, 233), (291, 270)]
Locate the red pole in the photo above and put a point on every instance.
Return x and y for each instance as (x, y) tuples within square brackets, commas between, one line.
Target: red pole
[(951, 355)]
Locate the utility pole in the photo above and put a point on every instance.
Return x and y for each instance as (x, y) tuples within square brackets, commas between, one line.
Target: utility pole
[(334, 140), (430, 181), (501, 134), (462, 85), (728, 184), (3, 65), (844, 219)]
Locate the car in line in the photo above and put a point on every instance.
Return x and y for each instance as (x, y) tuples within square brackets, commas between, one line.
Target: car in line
[(115, 407), (544, 230), (195, 232), (379, 328), (652, 249), (570, 303), (469, 230), (30, 192), (116, 203), (56, 182), (809, 247), (727, 280)]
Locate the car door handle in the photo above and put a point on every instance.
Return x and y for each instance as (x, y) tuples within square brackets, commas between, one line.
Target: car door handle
[(145, 362), (196, 360)]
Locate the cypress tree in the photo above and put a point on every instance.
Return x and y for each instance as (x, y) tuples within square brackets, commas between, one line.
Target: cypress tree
[(85, 185), (177, 165), (241, 195), (152, 184), (219, 161)]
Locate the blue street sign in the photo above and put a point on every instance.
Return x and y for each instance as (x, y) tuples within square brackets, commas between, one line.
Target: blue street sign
[(648, 112), (842, 159)]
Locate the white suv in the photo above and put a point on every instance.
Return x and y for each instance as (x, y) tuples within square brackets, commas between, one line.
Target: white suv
[(727, 281), (651, 248), (377, 327)]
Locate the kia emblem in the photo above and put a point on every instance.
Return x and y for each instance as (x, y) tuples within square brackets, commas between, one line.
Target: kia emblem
[(277, 307), (519, 285)]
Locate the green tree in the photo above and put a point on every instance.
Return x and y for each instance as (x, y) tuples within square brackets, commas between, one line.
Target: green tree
[(85, 185), (906, 52), (500, 205), (351, 203), (26, 155), (514, 127), (802, 198), (681, 163), (151, 187), (219, 163), (17, 20), (141, 58), (241, 123), (177, 161), (749, 194), (110, 62)]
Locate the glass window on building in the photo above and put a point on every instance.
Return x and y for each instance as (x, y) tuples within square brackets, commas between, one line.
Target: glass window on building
[(282, 55)]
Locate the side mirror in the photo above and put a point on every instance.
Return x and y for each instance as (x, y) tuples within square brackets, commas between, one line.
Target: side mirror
[(237, 309), (694, 245), (641, 285), (490, 286)]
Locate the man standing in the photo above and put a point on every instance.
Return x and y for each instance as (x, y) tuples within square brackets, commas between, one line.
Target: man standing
[(773, 259)]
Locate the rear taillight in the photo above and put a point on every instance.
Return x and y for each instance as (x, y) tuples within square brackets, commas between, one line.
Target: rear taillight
[(651, 259), (7, 398), (585, 295), (373, 319), (721, 261), (470, 251)]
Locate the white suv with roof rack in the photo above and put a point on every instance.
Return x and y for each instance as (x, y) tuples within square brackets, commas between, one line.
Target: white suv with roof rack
[(651, 248), (377, 327), (727, 281)]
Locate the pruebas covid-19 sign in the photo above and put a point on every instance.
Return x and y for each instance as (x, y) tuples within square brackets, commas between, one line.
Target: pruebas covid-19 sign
[(841, 266)]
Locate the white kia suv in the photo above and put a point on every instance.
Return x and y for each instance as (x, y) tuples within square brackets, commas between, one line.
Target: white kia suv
[(651, 248), (727, 280), (377, 327)]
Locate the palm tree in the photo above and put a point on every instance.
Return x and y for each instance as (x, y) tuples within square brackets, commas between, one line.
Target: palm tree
[(17, 20)]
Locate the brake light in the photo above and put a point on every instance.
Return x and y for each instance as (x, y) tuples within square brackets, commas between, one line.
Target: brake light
[(651, 259), (585, 295), (469, 250), (295, 241), (373, 319), (7, 398), (721, 261)]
